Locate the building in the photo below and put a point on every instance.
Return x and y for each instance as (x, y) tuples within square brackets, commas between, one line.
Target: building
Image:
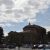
[(30, 34)]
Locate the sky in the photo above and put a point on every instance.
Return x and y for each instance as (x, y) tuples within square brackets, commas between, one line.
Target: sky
[(15, 14)]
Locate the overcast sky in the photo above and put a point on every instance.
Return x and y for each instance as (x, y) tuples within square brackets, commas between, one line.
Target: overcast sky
[(15, 14)]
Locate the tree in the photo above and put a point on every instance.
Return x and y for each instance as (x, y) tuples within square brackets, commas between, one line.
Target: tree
[(1, 35), (1, 38), (15, 38), (48, 36)]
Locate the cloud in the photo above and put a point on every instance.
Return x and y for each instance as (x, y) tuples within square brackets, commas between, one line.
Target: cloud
[(9, 3), (17, 11), (6, 33), (6, 25), (47, 28)]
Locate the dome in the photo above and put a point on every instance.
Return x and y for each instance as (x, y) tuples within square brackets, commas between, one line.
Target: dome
[(31, 27)]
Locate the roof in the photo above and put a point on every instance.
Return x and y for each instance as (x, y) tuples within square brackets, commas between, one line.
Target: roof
[(33, 26)]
